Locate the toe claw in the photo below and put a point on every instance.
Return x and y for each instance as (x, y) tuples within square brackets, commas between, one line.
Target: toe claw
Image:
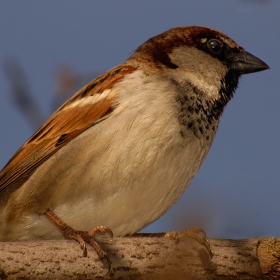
[(108, 262), (84, 248), (101, 230)]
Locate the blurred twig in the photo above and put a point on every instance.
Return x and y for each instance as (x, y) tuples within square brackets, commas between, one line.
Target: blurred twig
[(21, 93), (67, 82)]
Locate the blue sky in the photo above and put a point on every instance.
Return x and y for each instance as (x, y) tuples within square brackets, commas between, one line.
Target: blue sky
[(236, 192)]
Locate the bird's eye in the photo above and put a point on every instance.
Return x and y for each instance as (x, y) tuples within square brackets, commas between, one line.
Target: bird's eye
[(215, 46)]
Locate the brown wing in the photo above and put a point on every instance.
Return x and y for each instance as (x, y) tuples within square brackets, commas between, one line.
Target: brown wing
[(92, 103)]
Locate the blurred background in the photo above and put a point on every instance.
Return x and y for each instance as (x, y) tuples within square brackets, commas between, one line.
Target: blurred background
[(49, 49)]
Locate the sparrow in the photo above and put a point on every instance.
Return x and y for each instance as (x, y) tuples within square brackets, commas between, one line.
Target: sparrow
[(122, 150)]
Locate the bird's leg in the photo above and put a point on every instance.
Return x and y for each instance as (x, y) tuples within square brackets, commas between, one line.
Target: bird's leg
[(81, 236), (195, 233)]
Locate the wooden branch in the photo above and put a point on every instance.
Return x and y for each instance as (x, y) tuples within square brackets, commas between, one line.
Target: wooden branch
[(143, 258)]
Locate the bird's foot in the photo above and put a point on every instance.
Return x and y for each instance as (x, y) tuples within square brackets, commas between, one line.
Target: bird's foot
[(196, 233), (82, 237)]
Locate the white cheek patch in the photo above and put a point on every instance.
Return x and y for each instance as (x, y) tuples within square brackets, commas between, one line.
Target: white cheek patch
[(207, 87), (199, 68)]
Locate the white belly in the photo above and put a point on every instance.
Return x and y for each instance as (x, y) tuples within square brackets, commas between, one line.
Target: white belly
[(125, 198)]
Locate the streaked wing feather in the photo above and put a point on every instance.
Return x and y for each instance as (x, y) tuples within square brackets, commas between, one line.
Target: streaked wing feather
[(70, 120)]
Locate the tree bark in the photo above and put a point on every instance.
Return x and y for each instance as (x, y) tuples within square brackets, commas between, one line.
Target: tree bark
[(143, 258)]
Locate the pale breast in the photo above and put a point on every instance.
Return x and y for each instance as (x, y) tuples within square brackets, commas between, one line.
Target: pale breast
[(123, 173)]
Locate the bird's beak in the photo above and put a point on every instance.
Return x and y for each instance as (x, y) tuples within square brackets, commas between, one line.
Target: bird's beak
[(245, 63)]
